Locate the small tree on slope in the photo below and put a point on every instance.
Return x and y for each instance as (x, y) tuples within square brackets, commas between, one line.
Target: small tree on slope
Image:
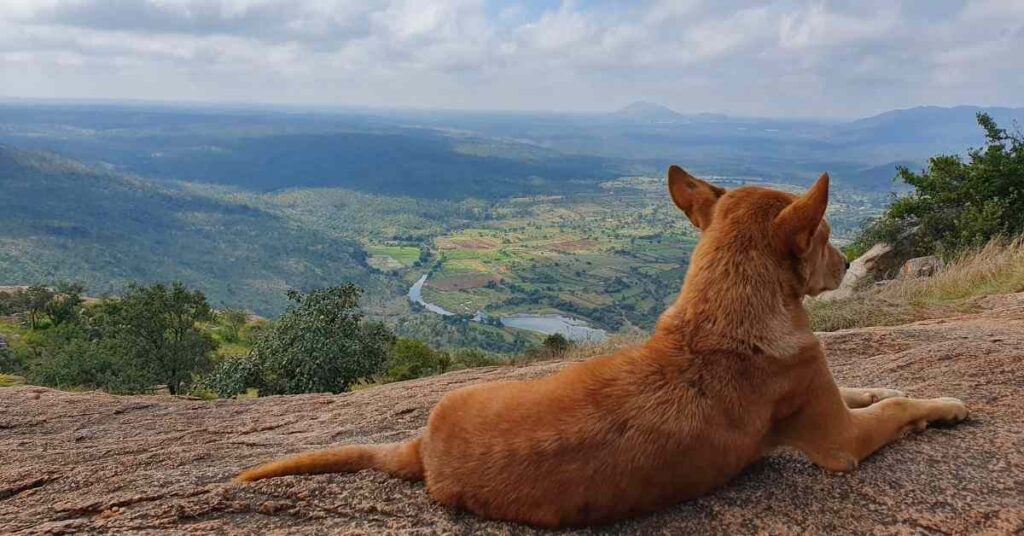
[(321, 344), (957, 205)]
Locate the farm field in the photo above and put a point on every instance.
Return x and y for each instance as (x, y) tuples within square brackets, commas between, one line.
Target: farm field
[(615, 257), (385, 257)]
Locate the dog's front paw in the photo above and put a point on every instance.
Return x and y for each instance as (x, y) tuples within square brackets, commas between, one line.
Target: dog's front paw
[(878, 395), (862, 398), (948, 411)]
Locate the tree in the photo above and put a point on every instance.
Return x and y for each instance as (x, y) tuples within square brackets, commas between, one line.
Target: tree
[(232, 320), (556, 344), (33, 303), (957, 205), (322, 344), (65, 357), (153, 329), (65, 305), (235, 375), (411, 358)]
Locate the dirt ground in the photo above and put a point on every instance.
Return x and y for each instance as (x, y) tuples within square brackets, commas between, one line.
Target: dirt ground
[(101, 464)]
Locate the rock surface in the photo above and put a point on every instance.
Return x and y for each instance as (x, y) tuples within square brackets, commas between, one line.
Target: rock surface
[(876, 263), (101, 464), (921, 267)]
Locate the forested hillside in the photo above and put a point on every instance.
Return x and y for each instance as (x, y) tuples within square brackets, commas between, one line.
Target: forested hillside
[(62, 220)]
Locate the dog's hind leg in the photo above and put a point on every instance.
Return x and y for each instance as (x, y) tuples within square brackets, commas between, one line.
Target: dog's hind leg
[(862, 398)]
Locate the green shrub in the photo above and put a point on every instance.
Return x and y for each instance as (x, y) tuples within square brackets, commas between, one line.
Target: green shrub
[(235, 375), (556, 344), (67, 358), (411, 358), (957, 206), (65, 304), (473, 357), (153, 331), (10, 363), (321, 344)]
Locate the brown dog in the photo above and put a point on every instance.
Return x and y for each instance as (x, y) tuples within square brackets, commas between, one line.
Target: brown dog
[(731, 371)]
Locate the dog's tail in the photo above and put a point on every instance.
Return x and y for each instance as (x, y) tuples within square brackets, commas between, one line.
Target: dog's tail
[(397, 459)]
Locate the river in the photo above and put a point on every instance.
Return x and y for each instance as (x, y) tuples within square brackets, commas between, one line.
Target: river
[(573, 329)]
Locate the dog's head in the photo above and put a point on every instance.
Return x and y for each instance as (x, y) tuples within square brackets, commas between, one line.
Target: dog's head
[(788, 229)]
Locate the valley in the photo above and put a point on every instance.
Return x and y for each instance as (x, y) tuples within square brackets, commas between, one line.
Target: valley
[(530, 218)]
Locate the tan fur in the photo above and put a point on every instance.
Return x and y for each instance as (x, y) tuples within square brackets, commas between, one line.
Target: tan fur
[(731, 371), (398, 459)]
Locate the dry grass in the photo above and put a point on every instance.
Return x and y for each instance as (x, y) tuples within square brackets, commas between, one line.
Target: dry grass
[(998, 268), (581, 352), (10, 380)]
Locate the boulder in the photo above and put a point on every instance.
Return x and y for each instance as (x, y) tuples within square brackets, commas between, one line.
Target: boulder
[(921, 267), (875, 264)]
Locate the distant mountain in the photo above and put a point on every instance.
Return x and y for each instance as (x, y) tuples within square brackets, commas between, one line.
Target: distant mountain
[(264, 151), (881, 177), (444, 155), (61, 220), (418, 164), (911, 136), (931, 128), (648, 111)]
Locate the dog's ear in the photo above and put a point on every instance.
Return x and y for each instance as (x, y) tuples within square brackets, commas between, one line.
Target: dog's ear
[(695, 197), (796, 224)]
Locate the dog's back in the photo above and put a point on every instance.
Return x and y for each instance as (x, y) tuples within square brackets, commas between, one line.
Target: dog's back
[(601, 440)]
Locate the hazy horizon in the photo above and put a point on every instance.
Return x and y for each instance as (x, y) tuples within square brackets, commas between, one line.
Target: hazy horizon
[(790, 59), (328, 108)]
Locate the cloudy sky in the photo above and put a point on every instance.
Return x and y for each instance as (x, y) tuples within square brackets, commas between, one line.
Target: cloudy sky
[(788, 58)]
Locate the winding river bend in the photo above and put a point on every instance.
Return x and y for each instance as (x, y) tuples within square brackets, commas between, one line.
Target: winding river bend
[(573, 329)]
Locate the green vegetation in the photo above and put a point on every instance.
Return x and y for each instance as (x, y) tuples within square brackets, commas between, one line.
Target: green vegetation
[(61, 220), (607, 257), (411, 358), (153, 330), (395, 257), (148, 337), (556, 344), (36, 303), (321, 344), (232, 322), (957, 206), (458, 333), (167, 337)]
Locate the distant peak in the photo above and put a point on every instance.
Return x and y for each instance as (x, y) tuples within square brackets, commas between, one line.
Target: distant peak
[(649, 111)]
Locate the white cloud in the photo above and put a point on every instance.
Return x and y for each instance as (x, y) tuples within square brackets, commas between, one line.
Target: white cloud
[(818, 27), (776, 58)]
